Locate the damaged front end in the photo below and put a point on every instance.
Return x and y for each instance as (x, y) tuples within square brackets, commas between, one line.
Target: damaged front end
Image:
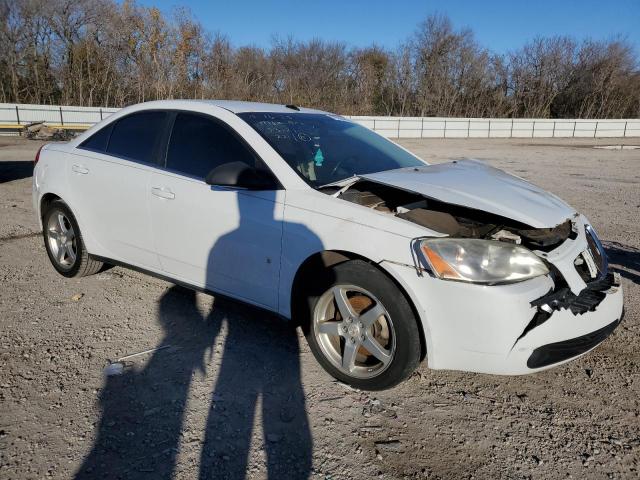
[(596, 282), (586, 301), (574, 257)]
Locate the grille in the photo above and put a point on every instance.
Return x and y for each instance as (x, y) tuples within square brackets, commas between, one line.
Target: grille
[(592, 263)]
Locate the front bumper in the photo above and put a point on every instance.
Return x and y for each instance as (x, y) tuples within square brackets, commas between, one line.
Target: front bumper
[(567, 335), (488, 329), (567, 349), (518, 328)]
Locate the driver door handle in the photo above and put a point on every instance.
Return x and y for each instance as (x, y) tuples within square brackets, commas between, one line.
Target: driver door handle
[(163, 192), (80, 169)]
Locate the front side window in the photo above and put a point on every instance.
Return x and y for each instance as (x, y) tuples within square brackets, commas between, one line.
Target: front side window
[(326, 148), (135, 136), (198, 144)]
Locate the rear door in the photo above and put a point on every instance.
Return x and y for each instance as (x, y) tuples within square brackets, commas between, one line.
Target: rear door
[(110, 175), (227, 240)]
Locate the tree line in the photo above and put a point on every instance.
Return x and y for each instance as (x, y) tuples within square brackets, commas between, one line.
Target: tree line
[(103, 53)]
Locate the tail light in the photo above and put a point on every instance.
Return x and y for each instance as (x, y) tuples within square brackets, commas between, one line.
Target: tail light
[(35, 160)]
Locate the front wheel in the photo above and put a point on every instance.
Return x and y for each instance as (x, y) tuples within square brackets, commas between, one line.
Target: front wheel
[(361, 328), (63, 241)]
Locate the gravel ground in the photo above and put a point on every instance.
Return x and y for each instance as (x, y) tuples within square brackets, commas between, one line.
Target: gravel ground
[(235, 391)]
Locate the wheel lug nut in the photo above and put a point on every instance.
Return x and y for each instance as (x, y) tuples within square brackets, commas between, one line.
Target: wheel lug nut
[(362, 338), (353, 340)]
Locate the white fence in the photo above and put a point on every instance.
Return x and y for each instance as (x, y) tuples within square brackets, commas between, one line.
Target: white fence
[(22, 114), (434, 127), (394, 127)]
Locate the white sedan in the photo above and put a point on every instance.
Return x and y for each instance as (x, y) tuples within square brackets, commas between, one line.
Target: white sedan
[(382, 258)]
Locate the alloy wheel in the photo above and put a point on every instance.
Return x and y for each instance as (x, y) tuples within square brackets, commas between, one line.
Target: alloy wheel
[(62, 240), (354, 330)]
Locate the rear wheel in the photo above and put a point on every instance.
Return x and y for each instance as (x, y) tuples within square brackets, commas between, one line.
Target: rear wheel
[(63, 242), (361, 328)]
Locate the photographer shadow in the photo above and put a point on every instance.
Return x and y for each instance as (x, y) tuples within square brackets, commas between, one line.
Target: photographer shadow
[(139, 431), (258, 381), (260, 366)]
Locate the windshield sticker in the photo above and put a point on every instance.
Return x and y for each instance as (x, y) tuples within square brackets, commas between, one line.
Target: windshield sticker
[(303, 137)]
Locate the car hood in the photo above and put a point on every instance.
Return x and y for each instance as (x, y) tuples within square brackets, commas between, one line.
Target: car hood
[(473, 184)]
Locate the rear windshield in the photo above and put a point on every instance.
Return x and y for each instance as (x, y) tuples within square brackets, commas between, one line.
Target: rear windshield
[(325, 148)]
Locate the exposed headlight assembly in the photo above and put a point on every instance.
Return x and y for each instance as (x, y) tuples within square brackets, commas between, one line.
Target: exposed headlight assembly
[(485, 262)]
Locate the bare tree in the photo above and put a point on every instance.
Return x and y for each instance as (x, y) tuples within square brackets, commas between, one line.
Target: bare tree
[(99, 52)]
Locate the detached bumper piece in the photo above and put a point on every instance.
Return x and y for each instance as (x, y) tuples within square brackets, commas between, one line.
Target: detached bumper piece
[(586, 301), (560, 351)]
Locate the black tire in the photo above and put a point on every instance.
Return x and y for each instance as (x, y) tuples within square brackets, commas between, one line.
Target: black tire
[(83, 264), (407, 335)]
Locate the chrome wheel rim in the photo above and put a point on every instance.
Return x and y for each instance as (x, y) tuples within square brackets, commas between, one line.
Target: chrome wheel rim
[(62, 240), (354, 331)]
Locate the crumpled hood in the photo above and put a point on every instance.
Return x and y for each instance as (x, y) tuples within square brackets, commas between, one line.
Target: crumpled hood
[(473, 184)]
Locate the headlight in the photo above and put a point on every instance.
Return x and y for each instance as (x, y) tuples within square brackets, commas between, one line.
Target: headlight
[(481, 261)]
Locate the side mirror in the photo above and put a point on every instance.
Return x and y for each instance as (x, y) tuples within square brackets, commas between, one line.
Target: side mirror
[(239, 174)]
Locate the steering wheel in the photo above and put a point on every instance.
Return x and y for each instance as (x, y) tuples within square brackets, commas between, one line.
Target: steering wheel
[(340, 162)]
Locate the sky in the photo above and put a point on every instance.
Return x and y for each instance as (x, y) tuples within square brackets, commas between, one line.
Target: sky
[(499, 25)]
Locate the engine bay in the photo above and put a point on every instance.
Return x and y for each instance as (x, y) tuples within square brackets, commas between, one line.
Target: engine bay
[(453, 220)]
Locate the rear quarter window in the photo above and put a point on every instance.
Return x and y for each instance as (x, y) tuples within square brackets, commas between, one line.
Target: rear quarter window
[(99, 140)]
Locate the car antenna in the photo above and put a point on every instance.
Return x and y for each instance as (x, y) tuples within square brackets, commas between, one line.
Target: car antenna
[(293, 107)]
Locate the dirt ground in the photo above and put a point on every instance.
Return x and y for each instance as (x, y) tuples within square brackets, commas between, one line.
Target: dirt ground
[(234, 391)]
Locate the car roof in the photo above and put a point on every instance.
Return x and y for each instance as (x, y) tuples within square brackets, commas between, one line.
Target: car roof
[(235, 106)]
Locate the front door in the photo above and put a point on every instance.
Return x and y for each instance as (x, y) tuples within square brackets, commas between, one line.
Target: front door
[(227, 240)]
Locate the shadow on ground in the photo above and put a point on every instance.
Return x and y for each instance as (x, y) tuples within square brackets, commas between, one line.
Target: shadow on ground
[(15, 170), (142, 421), (625, 260), (141, 426)]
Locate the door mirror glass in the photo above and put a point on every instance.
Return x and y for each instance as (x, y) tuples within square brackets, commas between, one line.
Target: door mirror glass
[(241, 175)]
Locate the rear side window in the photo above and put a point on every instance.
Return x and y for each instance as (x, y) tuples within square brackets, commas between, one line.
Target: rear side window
[(98, 141), (198, 144), (135, 136)]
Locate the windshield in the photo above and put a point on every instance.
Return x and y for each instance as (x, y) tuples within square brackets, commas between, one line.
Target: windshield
[(324, 148)]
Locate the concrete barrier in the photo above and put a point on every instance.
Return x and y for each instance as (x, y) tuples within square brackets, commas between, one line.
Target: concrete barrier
[(13, 116), (440, 127)]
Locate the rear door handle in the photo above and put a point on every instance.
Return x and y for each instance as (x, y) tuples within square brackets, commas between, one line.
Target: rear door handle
[(163, 192), (80, 169)]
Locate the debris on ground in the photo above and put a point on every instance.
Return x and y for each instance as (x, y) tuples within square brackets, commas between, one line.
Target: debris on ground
[(113, 369), (42, 131)]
